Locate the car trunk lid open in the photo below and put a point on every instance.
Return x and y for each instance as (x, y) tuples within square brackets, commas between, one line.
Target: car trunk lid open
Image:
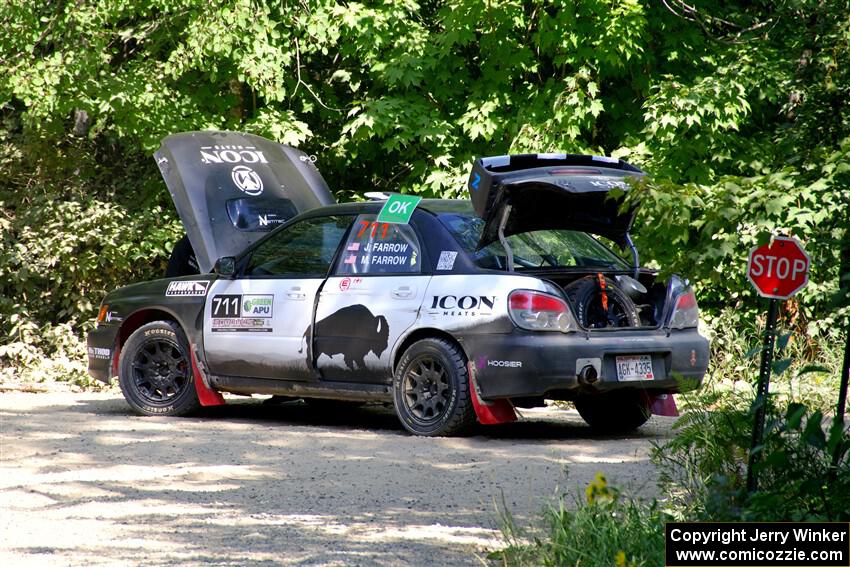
[(522, 193)]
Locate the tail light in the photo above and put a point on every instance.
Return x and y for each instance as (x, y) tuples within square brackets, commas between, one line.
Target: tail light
[(685, 310), (537, 311)]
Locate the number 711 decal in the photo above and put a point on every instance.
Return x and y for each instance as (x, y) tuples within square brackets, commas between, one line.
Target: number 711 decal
[(246, 306), (365, 225)]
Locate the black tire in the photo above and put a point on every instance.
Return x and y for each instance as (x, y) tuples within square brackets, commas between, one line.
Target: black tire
[(431, 389), (586, 298), (155, 371), (617, 412)]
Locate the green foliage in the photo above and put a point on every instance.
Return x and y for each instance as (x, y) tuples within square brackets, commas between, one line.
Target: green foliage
[(621, 532), (703, 467), (396, 90), (740, 111), (809, 364), (41, 354), (68, 239), (707, 232), (703, 474), (797, 478)]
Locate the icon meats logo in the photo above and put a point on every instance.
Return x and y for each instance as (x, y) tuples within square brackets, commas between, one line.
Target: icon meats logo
[(187, 289), (463, 306), (232, 154)]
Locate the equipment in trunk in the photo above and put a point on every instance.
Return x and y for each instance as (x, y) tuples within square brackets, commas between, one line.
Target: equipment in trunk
[(599, 303)]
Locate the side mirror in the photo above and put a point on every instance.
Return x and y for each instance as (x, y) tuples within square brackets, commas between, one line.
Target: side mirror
[(225, 267)]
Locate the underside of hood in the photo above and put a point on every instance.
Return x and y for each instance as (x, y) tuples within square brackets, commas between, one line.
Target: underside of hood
[(551, 191), (231, 188)]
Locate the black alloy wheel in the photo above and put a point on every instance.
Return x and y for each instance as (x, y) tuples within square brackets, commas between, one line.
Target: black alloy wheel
[(427, 391), (155, 371), (431, 389)]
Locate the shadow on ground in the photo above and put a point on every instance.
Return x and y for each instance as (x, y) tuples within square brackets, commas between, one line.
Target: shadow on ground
[(86, 481)]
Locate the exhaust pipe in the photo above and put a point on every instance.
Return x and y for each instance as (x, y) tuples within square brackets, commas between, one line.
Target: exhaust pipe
[(588, 375)]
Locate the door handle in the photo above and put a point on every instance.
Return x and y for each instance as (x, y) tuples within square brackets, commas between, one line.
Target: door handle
[(296, 293), (403, 292)]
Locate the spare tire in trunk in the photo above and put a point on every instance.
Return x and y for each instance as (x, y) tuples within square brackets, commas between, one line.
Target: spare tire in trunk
[(598, 303)]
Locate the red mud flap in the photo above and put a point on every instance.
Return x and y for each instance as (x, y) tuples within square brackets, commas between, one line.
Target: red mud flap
[(488, 413), (206, 395), (663, 404)]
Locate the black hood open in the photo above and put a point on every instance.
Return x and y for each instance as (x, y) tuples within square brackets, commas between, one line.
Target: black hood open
[(551, 191), (231, 188)]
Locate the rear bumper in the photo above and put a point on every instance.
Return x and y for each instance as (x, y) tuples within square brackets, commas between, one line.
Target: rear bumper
[(524, 364), (101, 354)]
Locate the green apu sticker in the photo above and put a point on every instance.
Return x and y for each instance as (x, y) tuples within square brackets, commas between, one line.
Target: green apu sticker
[(398, 209)]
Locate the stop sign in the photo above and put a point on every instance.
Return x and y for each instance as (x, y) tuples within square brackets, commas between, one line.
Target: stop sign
[(778, 269)]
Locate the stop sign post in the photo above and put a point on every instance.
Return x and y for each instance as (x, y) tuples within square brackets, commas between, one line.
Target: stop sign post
[(777, 270)]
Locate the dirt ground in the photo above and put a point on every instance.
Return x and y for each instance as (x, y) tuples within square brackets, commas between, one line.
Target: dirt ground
[(83, 481)]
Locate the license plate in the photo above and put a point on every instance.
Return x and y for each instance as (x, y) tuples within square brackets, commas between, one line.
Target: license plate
[(634, 368)]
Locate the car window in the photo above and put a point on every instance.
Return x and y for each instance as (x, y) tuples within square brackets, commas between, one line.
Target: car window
[(535, 249), (259, 214), (380, 248), (305, 249)]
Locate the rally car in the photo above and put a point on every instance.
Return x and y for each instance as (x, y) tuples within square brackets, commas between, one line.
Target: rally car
[(455, 311)]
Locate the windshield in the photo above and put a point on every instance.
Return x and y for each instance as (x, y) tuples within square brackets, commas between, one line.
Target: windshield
[(535, 249)]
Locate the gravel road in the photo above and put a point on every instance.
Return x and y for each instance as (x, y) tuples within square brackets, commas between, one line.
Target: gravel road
[(83, 481)]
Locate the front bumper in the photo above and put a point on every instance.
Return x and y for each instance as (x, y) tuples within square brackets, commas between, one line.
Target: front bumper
[(526, 364), (100, 347)]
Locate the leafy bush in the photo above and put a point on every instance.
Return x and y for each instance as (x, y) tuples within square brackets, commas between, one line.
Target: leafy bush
[(68, 239), (704, 466), (50, 353), (703, 473), (706, 232), (807, 366), (739, 111), (797, 478), (605, 529)]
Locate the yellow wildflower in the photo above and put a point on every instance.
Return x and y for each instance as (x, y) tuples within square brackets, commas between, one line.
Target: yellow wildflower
[(620, 560), (598, 490)]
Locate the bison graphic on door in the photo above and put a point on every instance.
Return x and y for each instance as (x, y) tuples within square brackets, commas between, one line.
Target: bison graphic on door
[(352, 331)]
